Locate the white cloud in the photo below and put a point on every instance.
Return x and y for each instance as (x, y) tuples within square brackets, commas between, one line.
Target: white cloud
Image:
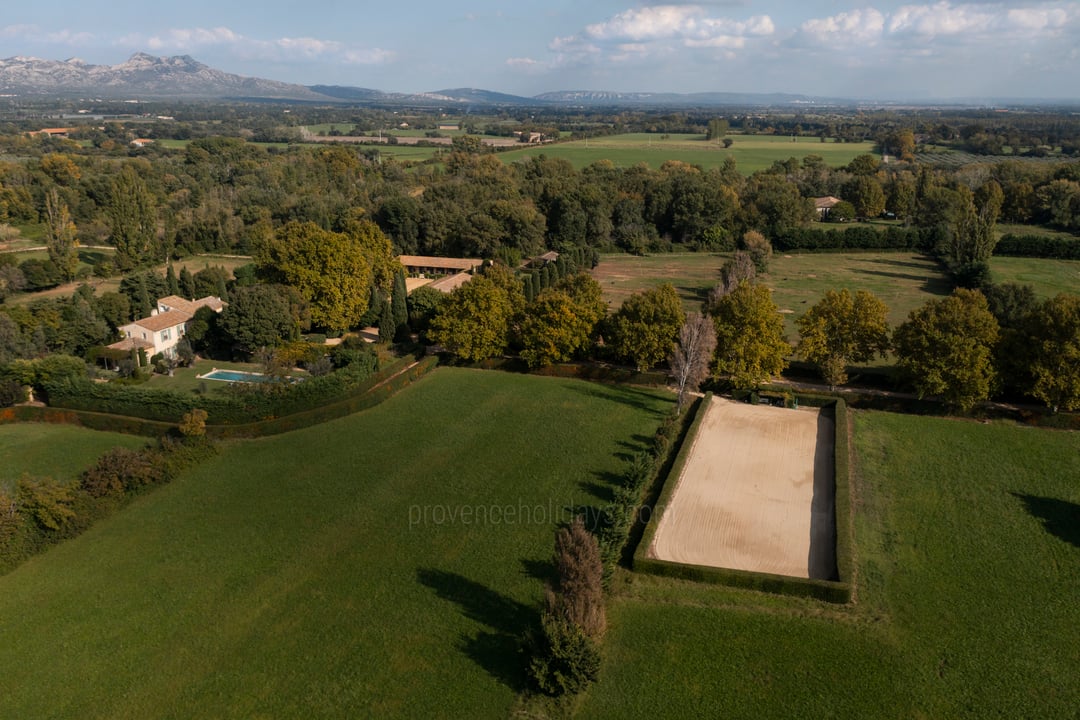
[(184, 40), (34, 34), (659, 31), (856, 27)]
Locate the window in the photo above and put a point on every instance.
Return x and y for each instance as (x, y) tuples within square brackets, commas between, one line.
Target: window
[(166, 333)]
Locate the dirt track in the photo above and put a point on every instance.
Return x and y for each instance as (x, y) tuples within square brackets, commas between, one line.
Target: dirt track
[(756, 494)]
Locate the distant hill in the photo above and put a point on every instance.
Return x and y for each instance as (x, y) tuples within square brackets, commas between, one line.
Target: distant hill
[(606, 98), (141, 76)]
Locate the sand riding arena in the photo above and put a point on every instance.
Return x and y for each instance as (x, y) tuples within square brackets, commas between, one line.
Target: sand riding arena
[(757, 493)]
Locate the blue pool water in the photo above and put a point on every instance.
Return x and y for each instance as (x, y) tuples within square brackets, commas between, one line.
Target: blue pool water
[(234, 376)]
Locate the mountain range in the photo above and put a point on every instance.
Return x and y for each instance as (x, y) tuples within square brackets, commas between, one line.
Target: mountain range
[(146, 77)]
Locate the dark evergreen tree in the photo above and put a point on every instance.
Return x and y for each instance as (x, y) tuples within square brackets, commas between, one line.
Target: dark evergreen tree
[(171, 281), (387, 326), (187, 284), (399, 305)]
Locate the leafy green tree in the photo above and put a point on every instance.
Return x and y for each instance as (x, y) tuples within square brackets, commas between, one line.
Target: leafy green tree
[(333, 271), (587, 295), (841, 329), (946, 347), (258, 316), (1054, 333), (690, 362), (553, 329), (750, 344), (132, 214), (61, 238), (865, 194), (646, 325), (475, 319), (842, 211), (423, 304)]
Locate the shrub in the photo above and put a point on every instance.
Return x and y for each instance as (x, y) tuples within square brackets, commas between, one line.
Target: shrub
[(118, 471), (564, 660), (193, 424), (45, 501)]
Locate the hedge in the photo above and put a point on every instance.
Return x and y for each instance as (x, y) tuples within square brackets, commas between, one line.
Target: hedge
[(854, 238), (1039, 246), (835, 591), (369, 397), (239, 405), (362, 398)]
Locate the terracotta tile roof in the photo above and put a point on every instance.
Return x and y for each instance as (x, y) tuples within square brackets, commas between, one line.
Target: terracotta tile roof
[(156, 323), (450, 282), (131, 343), (174, 302), (442, 263), (824, 203)]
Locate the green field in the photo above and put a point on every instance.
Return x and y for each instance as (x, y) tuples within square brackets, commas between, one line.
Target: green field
[(1048, 277), (751, 152), (57, 451), (968, 550), (381, 565), (903, 281)]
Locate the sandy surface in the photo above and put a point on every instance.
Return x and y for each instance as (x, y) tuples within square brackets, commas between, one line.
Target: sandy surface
[(756, 494)]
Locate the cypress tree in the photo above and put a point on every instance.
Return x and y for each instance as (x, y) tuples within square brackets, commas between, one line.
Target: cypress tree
[(400, 308), (170, 279), (187, 283), (527, 286), (545, 277), (387, 327)]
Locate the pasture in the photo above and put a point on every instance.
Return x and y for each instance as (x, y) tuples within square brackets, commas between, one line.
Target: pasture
[(1049, 277), (750, 152), (57, 451), (967, 551), (380, 565), (903, 280)]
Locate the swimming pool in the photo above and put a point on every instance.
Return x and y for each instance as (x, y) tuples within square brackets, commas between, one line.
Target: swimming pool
[(234, 376)]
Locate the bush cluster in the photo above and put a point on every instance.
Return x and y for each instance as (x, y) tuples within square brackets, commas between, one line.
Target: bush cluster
[(42, 511)]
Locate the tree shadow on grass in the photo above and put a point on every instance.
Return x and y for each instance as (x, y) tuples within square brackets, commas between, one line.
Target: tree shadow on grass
[(497, 649), (623, 394), (1059, 517)]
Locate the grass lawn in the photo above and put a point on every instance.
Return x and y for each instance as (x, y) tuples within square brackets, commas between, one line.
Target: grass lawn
[(1048, 276), (381, 565), (968, 550), (57, 451), (751, 152), (185, 380)]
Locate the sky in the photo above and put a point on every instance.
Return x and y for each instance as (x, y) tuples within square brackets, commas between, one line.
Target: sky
[(879, 49)]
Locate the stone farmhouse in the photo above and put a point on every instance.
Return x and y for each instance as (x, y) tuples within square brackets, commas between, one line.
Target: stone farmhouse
[(159, 333)]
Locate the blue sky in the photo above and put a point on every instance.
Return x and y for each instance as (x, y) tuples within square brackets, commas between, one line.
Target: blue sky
[(876, 49)]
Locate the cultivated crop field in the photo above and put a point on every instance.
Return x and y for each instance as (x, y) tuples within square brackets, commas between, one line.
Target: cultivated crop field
[(967, 552), (751, 152), (692, 275), (381, 565), (57, 451)]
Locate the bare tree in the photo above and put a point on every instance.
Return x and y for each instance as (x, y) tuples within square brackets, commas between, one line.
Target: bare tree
[(739, 268), (694, 351), (579, 597)]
